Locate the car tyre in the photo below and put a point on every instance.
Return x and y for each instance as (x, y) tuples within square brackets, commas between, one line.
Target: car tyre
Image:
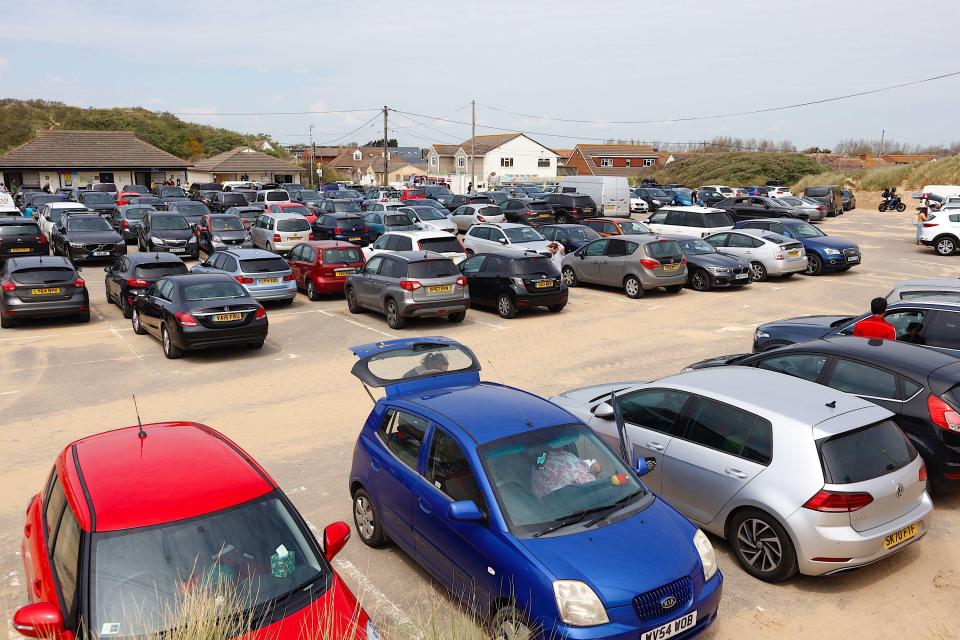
[(700, 280), (83, 317), (945, 245), (633, 287), (762, 546), (392, 311), (125, 308), (759, 271), (255, 345), (814, 265), (508, 623), (353, 305), (170, 350), (556, 308), (137, 325), (457, 317), (569, 277), (366, 520), (6, 322), (506, 308), (312, 291)]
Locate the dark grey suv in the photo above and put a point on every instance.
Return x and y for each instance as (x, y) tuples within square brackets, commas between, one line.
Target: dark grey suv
[(162, 231)]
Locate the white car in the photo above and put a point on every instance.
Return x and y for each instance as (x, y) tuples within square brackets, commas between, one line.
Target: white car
[(942, 231), (638, 204), (440, 242), (506, 238), (778, 192), (271, 196), (728, 192), (429, 218), (691, 221), (383, 207), (952, 202), (769, 253), (50, 213), (470, 214)]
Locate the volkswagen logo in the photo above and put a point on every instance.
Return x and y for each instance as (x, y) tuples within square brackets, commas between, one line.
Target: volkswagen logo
[(899, 490), (668, 603)]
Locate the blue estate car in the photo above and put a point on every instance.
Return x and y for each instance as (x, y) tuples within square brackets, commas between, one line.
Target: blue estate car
[(824, 253), (518, 508)]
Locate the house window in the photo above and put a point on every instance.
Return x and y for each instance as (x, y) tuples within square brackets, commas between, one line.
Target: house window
[(648, 162), (506, 162), (606, 162), (629, 161), (543, 162), (461, 162), (434, 161), (358, 155)]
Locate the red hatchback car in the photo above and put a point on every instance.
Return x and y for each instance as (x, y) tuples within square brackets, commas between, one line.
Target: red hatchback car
[(135, 524), (293, 207), (322, 266)]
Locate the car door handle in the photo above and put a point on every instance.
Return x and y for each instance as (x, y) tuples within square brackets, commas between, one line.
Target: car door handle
[(424, 505), (736, 473), (656, 446), (374, 465), (37, 587)]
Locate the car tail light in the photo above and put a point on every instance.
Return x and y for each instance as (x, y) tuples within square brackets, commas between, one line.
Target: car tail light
[(819, 208), (185, 319), (136, 282), (9, 286), (837, 501), (277, 238), (312, 237), (942, 414), (42, 239), (480, 218), (461, 281), (125, 224), (261, 313), (243, 279), (530, 212), (650, 264), (922, 476), (289, 277), (338, 230), (683, 260), (79, 283), (778, 256), (931, 224), (410, 285)]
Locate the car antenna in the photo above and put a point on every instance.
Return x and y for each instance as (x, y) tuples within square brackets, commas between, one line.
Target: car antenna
[(141, 433), (832, 404), (526, 420)]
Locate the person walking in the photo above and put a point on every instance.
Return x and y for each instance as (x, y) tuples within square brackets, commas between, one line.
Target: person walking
[(876, 326), (921, 218)]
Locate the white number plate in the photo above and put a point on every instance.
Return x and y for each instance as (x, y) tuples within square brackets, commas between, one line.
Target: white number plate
[(853, 258), (742, 276), (671, 629), (101, 253), (177, 250)]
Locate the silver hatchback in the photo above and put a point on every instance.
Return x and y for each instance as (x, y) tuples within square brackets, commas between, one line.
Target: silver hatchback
[(409, 284), (265, 275), (795, 475), (637, 263)]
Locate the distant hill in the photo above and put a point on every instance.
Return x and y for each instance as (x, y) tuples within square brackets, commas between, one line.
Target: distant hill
[(737, 169), (19, 119)]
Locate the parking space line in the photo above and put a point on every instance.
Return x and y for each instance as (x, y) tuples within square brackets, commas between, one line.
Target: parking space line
[(933, 264), (129, 343), (68, 333), (327, 312), (7, 393), (487, 324)]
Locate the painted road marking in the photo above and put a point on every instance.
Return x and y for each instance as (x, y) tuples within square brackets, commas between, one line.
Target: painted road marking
[(488, 324), (932, 264)]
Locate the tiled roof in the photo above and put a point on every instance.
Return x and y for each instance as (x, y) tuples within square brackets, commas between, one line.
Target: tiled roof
[(59, 149), (445, 149), (246, 160), (617, 150), (489, 142)]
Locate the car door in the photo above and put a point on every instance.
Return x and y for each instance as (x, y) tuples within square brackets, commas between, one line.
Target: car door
[(363, 286), (458, 217), (587, 260), (472, 268), (657, 221), (941, 330), (477, 239), (612, 262), (114, 273), (453, 551), (496, 241), (740, 245), (491, 278), (718, 451), (296, 261), (151, 310)]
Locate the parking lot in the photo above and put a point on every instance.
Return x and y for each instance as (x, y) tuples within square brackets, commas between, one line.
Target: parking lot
[(295, 407)]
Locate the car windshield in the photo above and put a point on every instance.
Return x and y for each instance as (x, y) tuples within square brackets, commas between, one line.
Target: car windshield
[(105, 186), (397, 220), (440, 191), (136, 188), (634, 227), (864, 454), (696, 247), (88, 224), (545, 476), (213, 291), (169, 223), (520, 235), (96, 197), (805, 230), (817, 192), (233, 198), (581, 234), (277, 196), (43, 275), (293, 225), (427, 202), (302, 210), (441, 245), (712, 220), (172, 192), (263, 265), (36, 201), (310, 195), (144, 200), (136, 213), (346, 207), (432, 269), (429, 213), (533, 266), (143, 580), (657, 193), (226, 224), (159, 269), (14, 230), (341, 256), (348, 193), (192, 208)]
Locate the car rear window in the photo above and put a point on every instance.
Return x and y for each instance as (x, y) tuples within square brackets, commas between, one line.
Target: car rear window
[(864, 454), (302, 210), (432, 269), (196, 209), (664, 249), (105, 186), (263, 265), (278, 196), (350, 222), (539, 206), (293, 224), (14, 230), (136, 214), (817, 192), (159, 269), (213, 291), (712, 220), (233, 199), (441, 245), (530, 266), (582, 201), (341, 256), (42, 275)]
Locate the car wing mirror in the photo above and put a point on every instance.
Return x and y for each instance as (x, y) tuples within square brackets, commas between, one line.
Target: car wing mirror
[(643, 467), (38, 620), (335, 537), (604, 411), (465, 511)]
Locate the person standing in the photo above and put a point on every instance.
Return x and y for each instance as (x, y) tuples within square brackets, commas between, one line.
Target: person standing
[(876, 326), (556, 255), (921, 218)]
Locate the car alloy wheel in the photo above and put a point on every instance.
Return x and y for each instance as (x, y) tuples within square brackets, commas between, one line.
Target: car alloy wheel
[(312, 291), (363, 514), (759, 545), (394, 319), (700, 281), (169, 349), (632, 287), (505, 306), (814, 265), (508, 624), (759, 271), (353, 305), (946, 246), (137, 326), (569, 277)]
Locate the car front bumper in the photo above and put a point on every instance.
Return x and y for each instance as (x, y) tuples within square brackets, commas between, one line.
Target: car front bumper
[(834, 262), (84, 254)]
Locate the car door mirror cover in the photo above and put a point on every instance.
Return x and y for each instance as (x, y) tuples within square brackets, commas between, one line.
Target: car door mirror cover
[(604, 411), (465, 511)]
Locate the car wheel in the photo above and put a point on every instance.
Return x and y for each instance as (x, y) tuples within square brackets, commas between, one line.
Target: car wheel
[(255, 345), (700, 280), (137, 325), (125, 308), (353, 305), (674, 288), (814, 265), (394, 319), (366, 520), (759, 271), (312, 291), (633, 287), (505, 306), (6, 322), (170, 350), (762, 546), (556, 308), (945, 245), (469, 253), (83, 317), (569, 277), (509, 624), (457, 317)]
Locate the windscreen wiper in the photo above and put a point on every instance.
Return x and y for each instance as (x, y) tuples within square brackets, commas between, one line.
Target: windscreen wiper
[(566, 521), (622, 502)]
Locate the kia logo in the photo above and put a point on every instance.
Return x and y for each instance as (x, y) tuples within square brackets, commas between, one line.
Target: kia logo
[(899, 490), (668, 603)]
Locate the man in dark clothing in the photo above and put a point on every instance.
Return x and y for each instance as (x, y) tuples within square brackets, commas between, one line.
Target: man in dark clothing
[(876, 325)]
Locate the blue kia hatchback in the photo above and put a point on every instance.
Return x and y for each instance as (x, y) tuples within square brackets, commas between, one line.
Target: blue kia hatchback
[(824, 253), (518, 508)]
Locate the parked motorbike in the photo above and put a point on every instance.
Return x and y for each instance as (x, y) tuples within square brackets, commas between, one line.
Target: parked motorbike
[(892, 204)]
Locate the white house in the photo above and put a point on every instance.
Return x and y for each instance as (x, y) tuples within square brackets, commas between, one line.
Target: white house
[(500, 158)]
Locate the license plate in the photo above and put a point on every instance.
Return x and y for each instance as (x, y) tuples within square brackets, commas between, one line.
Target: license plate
[(177, 250), (609, 207), (588, 210), (671, 267), (742, 276), (343, 273), (794, 253), (20, 250), (292, 238), (227, 317), (269, 280), (101, 253), (671, 629), (443, 288), (543, 284), (48, 291), (354, 239), (899, 537), (545, 216), (853, 258)]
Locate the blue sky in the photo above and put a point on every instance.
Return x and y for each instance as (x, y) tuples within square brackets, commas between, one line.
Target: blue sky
[(599, 61)]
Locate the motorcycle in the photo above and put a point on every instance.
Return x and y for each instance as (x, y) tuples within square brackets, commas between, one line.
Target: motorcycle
[(892, 204)]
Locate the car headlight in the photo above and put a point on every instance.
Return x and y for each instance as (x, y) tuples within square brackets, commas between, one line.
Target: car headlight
[(77, 245), (578, 605), (831, 252), (760, 334), (372, 632), (656, 202), (158, 241), (718, 269), (707, 557), (218, 239), (192, 240)]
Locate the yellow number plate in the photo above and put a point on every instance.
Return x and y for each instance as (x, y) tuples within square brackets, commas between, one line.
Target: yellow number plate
[(295, 238), (357, 239), (20, 250), (343, 273), (899, 537), (45, 292), (794, 253), (269, 280), (227, 317), (543, 284), (671, 267), (443, 288), (545, 216)]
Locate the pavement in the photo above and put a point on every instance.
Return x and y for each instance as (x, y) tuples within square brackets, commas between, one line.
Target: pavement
[(295, 407)]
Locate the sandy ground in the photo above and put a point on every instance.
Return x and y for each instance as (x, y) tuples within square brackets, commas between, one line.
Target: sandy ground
[(295, 408)]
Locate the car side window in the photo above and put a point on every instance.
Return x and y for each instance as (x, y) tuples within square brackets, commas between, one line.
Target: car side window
[(718, 239), (654, 409), (52, 510), (381, 242), (908, 324), (616, 248), (403, 433), (942, 331), (800, 365), (216, 261), (691, 219), (496, 235), (309, 254), (66, 563), (755, 225), (674, 218), (448, 469), (297, 253), (730, 430), (472, 265), (596, 248), (165, 288), (228, 263), (483, 233), (373, 264), (863, 380), (596, 225), (779, 228), (740, 241), (391, 268), (372, 218), (494, 264), (659, 217), (403, 243)]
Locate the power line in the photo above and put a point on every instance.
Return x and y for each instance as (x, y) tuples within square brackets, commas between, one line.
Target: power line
[(419, 124), (379, 112), (739, 113)]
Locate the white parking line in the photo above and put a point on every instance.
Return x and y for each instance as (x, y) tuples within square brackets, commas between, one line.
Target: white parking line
[(7, 393), (487, 324), (129, 343), (932, 264), (295, 490), (67, 333), (327, 312)]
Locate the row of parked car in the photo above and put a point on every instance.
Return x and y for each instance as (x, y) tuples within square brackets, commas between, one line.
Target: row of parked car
[(816, 202)]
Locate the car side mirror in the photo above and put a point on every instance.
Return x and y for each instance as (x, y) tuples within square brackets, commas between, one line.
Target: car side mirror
[(502, 241), (38, 620), (604, 411), (335, 537), (642, 467), (465, 511)]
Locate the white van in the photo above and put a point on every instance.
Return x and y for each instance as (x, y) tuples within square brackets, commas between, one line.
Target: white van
[(611, 193)]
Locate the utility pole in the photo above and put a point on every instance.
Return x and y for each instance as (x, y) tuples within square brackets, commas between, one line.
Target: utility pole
[(883, 134), (386, 174), (473, 144), (313, 159)]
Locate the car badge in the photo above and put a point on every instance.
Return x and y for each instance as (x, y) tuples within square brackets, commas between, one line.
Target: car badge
[(668, 603), (899, 490)]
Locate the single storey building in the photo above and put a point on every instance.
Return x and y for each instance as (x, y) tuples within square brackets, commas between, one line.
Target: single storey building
[(244, 164)]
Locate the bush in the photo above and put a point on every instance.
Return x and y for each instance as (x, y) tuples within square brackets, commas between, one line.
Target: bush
[(737, 169), (908, 176)]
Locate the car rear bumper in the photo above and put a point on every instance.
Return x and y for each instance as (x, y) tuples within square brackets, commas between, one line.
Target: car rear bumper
[(286, 292), (14, 307), (651, 281), (440, 308), (329, 284), (194, 338)]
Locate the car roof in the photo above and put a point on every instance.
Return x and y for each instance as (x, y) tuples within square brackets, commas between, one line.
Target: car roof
[(17, 220), (638, 237), (118, 480), (609, 219), (153, 256), (763, 234), (703, 210), (416, 256), (200, 278), (284, 215), (61, 204), (248, 254), (420, 234), (902, 356), (502, 225), (329, 244), (929, 282), (287, 205), (85, 214)]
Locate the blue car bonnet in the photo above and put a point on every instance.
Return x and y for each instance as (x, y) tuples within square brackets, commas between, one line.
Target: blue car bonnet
[(417, 378)]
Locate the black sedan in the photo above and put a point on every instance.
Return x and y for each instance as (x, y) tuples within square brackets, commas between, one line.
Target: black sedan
[(86, 236), (162, 231), (102, 203), (248, 215), (708, 268), (571, 236), (525, 211), (131, 275), (921, 386), (21, 236), (751, 207), (41, 287), (199, 311), (511, 283)]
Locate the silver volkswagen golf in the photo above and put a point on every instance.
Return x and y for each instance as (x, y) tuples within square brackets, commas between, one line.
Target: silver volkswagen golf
[(795, 475)]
